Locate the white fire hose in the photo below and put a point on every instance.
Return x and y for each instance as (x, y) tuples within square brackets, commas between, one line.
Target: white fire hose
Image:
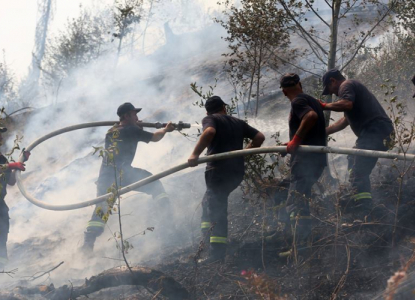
[(232, 154)]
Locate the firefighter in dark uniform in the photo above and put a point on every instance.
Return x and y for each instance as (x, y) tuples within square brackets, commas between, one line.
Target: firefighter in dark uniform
[(221, 133), (306, 127), (7, 177), (121, 145), (371, 125)]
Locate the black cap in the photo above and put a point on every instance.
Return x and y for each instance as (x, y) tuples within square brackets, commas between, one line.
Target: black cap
[(3, 129), (333, 73), (289, 80), (214, 104), (125, 108)]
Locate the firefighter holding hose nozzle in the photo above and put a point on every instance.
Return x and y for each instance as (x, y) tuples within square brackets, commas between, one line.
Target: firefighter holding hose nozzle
[(120, 147)]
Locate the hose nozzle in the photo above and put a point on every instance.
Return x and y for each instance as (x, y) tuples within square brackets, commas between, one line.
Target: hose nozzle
[(177, 126)]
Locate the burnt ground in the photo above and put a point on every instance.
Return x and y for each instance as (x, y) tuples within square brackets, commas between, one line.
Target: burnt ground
[(353, 262)]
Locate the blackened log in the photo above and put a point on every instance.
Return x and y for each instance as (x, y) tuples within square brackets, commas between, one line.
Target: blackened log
[(146, 277)]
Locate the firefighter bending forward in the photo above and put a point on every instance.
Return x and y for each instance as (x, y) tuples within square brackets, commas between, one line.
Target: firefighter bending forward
[(124, 137), (221, 133), (306, 127), (373, 128)]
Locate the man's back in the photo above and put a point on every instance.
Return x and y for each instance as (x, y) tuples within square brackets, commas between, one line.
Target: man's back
[(300, 106), (316, 136), (366, 108), (230, 134)]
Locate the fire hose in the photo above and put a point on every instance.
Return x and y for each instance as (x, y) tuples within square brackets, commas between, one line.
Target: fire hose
[(202, 160)]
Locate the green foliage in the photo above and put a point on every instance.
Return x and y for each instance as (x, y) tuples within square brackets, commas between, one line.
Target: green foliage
[(405, 13), (403, 123), (16, 146), (393, 61), (231, 108), (256, 32), (126, 13), (83, 40), (8, 95), (108, 154)]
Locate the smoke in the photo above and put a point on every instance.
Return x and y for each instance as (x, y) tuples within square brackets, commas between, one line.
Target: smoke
[(63, 170)]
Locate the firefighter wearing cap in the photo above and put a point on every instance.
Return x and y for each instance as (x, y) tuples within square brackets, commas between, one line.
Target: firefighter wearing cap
[(306, 127), (121, 144), (7, 177), (221, 133), (373, 128)]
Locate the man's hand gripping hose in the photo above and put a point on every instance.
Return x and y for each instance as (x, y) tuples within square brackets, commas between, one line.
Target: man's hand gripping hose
[(205, 159)]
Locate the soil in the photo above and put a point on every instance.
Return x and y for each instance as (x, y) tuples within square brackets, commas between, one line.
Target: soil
[(342, 262)]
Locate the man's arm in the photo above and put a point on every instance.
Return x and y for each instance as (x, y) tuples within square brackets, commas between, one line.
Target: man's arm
[(257, 141), (308, 121), (159, 134), (204, 141), (12, 178), (339, 106), (338, 126)]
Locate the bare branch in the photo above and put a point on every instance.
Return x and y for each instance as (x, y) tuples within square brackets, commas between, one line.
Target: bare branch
[(328, 4), (290, 63), (9, 273), (301, 27), (317, 14), (313, 49), (348, 9), (47, 272), (368, 34)]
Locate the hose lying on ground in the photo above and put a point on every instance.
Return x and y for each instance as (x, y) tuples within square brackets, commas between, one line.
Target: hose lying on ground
[(232, 154)]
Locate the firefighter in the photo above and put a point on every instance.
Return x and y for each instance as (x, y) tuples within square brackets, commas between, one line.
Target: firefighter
[(221, 133), (120, 147), (306, 127), (7, 177), (373, 128)]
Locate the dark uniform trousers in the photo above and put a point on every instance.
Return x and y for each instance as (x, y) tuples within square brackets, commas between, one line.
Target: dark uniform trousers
[(130, 175), (219, 184), (305, 172), (4, 231), (375, 136)]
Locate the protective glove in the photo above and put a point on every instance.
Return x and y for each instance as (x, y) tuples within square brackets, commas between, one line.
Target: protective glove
[(16, 166), (293, 144), (323, 104)]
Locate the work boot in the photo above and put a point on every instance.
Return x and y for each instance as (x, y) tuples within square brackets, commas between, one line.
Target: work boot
[(346, 203), (217, 254), (87, 247)]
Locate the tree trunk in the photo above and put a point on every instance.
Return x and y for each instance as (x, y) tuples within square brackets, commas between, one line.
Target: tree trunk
[(258, 80), (331, 64), (251, 84)]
